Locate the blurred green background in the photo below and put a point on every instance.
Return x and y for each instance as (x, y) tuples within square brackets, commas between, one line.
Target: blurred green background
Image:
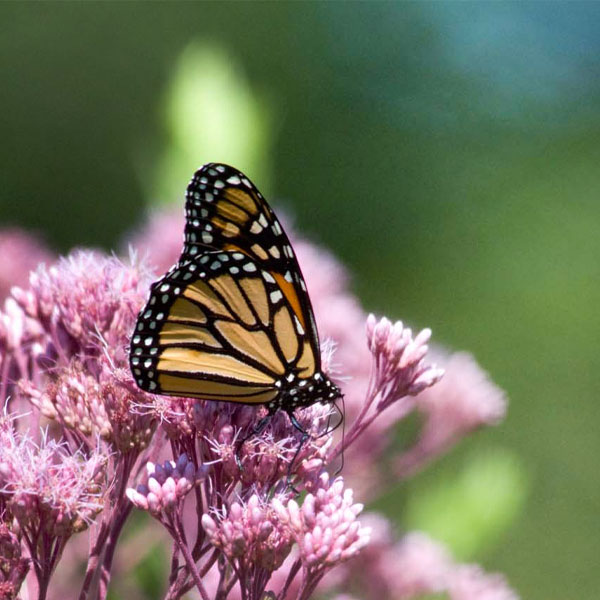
[(447, 153)]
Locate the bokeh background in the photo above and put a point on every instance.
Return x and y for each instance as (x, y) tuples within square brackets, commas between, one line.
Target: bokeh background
[(446, 152)]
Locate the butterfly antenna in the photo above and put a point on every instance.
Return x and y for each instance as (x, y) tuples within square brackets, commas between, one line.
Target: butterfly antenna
[(342, 414), (329, 431), (343, 422), (256, 430)]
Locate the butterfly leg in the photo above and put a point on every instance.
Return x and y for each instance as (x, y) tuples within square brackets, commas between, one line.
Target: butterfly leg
[(256, 430), (303, 439), (329, 430)]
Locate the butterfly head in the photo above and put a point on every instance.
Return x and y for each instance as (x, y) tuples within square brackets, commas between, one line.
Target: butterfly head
[(297, 392)]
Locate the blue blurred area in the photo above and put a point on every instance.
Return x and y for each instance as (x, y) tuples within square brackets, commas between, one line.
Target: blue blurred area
[(447, 152), (528, 54)]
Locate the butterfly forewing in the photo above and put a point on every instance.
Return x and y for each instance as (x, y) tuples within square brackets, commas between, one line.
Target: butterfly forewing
[(225, 211)]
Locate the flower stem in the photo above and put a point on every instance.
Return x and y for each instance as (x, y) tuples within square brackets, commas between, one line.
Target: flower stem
[(291, 576), (175, 529), (111, 544), (94, 559)]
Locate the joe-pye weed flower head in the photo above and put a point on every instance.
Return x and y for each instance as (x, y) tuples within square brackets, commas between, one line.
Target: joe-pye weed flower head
[(90, 446)]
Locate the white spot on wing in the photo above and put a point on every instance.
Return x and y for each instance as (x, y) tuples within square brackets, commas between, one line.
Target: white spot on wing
[(275, 296), (299, 327)]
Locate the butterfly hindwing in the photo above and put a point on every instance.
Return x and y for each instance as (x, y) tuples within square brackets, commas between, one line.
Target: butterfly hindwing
[(219, 326)]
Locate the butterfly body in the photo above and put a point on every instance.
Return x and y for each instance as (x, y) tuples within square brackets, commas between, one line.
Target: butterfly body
[(232, 320)]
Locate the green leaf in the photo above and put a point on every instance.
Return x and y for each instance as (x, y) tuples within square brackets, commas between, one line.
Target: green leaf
[(212, 115), (470, 510)]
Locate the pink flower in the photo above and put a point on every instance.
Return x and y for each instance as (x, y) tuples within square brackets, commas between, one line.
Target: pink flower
[(466, 399), (168, 484), (470, 582), (20, 252), (463, 401), (21, 344), (13, 566), (160, 239), (418, 565), (12, 325)]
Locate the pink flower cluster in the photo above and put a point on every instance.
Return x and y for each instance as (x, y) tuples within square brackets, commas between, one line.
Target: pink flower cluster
[(414, 567), (45, 486), (250, 534), (464, 400), (400, 369), (87, 447), (325, 526)]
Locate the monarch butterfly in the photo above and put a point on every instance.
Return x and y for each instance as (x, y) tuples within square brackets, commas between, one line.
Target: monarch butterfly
[(231, 321)]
